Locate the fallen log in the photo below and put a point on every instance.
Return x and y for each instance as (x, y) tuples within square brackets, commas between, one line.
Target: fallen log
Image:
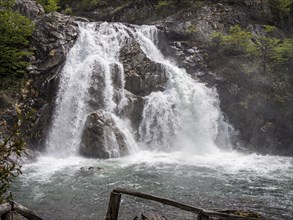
[(25, 212), (203, 213), (114, 204), (4, 208), (12, 215)]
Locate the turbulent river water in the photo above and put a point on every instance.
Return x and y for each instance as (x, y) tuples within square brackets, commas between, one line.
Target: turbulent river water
[(181, 149)]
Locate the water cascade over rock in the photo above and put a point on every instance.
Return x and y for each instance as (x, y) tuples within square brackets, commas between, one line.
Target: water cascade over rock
[(118, 93)]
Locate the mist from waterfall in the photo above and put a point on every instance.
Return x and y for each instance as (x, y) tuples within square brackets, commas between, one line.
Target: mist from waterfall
[(185, 116)]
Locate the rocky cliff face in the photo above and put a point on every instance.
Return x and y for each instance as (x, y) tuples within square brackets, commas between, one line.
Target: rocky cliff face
[(263, 124), (52, 38)]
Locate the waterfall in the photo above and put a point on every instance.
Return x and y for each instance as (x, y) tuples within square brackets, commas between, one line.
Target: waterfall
[(186, 115), (183, 116)]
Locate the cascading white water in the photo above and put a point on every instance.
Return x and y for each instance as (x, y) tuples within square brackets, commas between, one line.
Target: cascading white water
[(185, 115), (96, 49)]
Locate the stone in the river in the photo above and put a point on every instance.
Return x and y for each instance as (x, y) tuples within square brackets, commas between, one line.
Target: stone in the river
[(150, 215), (91, 169), (101, 137)]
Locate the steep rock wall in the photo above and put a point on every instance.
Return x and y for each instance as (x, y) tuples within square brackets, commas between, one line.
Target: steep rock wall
[(264, 125)]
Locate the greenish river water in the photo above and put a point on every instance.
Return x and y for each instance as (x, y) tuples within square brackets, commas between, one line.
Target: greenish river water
[(59, 189)]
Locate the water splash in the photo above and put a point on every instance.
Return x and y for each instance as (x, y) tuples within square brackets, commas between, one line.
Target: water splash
[(185, 116)]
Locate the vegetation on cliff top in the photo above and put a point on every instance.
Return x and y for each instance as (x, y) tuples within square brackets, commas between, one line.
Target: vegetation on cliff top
[(260, 54), (15, 31), (49, 5)]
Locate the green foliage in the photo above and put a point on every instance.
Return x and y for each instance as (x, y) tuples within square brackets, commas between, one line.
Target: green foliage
[(68, 10), (281, 8), (11, 144), (266, 50), (266, 60), (15, 31), (237, 42), (6, 3), (49, 5), (165, 7), (89, 4), (79, 4)]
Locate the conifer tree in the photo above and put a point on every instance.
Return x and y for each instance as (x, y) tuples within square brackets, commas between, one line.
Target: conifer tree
[(15, 31)]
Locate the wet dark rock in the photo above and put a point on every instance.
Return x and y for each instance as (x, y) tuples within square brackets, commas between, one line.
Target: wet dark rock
[(97, 86), (101, 137), (91, 169), (40, 126), (142, 76), (133, 109), (150, 215)]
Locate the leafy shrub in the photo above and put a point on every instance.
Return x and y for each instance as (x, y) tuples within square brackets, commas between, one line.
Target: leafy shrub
[(49, 5), (262, 48), (281, 8), (77, 5), (165, 7), (15, 31), (68, 10)]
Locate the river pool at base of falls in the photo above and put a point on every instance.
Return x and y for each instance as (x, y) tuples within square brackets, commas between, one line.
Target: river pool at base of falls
[(59, 189)]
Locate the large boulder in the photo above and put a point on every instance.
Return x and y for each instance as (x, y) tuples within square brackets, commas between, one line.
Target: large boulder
[(142, 75), (101, 137)]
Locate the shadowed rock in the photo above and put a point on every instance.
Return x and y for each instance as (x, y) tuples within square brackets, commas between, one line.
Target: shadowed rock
[(151, 215), (101, 137), (142, 76)]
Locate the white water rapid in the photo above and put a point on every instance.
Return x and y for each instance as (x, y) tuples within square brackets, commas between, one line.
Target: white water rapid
[(185, 116)]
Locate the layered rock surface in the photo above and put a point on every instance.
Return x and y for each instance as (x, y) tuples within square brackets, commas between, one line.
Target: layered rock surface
[(142, 76), (101, 137)]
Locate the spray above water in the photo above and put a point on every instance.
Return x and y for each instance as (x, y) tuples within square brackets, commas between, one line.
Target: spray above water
[(184, 116)]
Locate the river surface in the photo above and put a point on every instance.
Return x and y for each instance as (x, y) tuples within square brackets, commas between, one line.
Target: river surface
[(59, 189)]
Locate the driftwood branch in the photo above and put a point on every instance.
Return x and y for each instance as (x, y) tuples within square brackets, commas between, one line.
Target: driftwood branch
[(25, 212), (182, 206), (4, 208), (113, 208), (12, 215), (158, 199)]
